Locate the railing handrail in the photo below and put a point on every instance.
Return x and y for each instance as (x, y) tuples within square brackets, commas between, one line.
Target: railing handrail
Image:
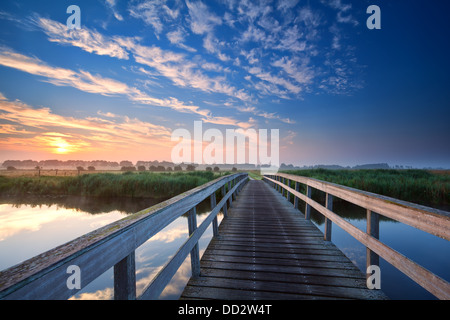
[(401, 211), (45, 275)]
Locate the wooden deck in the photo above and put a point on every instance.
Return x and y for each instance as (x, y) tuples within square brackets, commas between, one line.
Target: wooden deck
[(267, 250)]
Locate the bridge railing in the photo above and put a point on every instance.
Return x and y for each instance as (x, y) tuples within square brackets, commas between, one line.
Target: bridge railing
[(46, 276), (433, 221)]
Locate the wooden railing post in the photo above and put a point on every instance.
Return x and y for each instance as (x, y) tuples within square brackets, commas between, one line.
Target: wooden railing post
[(288, 195), (328, 223), (308, 207), (230, 199), (195, 254), (280, 179), (125, 278), (297, 188), (214, 223), (373, 229), (224, 208)]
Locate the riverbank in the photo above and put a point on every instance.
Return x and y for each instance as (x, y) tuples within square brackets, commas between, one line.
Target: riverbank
[(107, 185)]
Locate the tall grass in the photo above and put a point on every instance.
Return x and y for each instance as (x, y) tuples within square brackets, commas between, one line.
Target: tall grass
[(136, 185), (417, 186)]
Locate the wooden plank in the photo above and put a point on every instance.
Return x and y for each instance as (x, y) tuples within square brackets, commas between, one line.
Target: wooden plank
[(297, 270), (340, 281), (277, 247), (194, 292), (319, 250), (257, 255), (257, 287)]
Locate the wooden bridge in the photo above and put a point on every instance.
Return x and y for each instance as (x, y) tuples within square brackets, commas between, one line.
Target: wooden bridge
[(265, 247)]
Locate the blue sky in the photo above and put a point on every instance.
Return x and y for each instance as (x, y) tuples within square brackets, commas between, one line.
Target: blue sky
[(136, 70)]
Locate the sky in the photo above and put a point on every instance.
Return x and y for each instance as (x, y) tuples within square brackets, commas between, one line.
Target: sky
[(118, 87)]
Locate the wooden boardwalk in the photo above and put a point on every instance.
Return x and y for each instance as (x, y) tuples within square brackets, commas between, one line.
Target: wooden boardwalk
[(267, 250)]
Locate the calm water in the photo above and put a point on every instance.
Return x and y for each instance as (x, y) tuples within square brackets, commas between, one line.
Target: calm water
[(29, 229)]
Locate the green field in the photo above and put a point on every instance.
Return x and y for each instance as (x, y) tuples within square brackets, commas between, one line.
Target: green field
[(418, 186), (136, 185)]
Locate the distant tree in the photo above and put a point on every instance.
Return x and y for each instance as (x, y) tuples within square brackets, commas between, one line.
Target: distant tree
[(141, 168), (190, 167), (177, 168), (208, 169), (169, 169), (80, 168), (234, 169), (11, 168), (153, 168), (160, 168), (216, 169), (91, 168), (126, 163), (128, 168)]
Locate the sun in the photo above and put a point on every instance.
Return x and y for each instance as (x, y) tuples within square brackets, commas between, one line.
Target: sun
[(61, 146), (62, 150)]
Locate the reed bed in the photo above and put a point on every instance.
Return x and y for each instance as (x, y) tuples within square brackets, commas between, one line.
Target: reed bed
[(128, 184), (417, 186)]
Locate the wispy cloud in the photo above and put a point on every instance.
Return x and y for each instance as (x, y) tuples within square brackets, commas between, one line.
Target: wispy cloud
[(112, 6), (343, 11), (155, 13), (275, 80), (81, 80), (86, 39), (177, 37), (175, 66), (202, 20)]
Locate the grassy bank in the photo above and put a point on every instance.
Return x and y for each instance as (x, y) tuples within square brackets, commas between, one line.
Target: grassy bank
[(136, 185), (418, 186)]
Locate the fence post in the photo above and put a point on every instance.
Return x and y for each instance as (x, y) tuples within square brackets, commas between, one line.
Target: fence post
[(195, 254), (329, 205), (297, 188), (288, 195), (308, 207), (125, 278), (214, 223), (224, 209), (230, 199), (373, 229)]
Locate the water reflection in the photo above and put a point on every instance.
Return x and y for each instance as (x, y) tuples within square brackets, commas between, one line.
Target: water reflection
[(34, 225), (89, 205)]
